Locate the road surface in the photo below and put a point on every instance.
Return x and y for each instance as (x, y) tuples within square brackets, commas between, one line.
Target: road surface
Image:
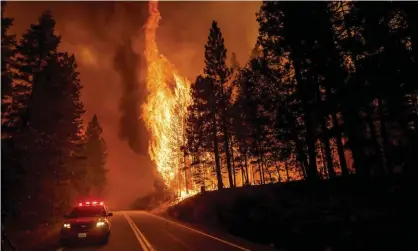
[(141, 231)]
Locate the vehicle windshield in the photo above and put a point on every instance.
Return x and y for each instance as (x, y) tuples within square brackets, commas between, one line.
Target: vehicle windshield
[(90, 211)]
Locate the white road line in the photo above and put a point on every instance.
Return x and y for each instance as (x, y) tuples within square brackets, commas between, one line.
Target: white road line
[(197, 231), (139, 235)]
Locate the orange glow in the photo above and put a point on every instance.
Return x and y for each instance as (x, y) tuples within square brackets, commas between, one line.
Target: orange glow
[(186, 194), (87, 57), (165, 110)]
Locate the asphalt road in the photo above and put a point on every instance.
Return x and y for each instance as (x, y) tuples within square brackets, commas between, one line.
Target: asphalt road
[(137, 230)]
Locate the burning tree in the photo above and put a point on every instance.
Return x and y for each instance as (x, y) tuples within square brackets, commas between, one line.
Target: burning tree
[(166, 108)]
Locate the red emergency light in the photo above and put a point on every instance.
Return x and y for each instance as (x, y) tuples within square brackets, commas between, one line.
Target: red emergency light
[(88, 203)]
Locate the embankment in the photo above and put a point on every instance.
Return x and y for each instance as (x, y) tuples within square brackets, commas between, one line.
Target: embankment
[(345, 214)]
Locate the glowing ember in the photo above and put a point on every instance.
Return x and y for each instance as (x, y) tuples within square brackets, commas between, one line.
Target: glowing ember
[(166, 107)]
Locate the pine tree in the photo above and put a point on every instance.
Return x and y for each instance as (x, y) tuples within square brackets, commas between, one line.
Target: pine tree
[(200, 129), (245, 115), (48, 111), (282, 41), (69, 130), (8, 51), (38, 45), (32, 147), (412, 32), (218, 73), (383, 74), (329, 57), (96, 152), (10, 174)]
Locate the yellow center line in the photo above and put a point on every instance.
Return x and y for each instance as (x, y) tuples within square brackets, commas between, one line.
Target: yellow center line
[(139, 235)]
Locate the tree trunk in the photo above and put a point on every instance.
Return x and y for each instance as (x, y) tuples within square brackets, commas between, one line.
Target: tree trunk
[(352, 120), (242, 175), (412, 157), (278, 173), (328, 151), (353, 130), (233, 163), (265, 168), (216, 151), (186, 176), (286, 167), (269, 172), (388, 165), (260, 171), (321, 153), (312, 171), (338, 136), (340, 146), (375, 141), (260, 165), (252, 174), (246, 169), (301, 157), (227, 153)]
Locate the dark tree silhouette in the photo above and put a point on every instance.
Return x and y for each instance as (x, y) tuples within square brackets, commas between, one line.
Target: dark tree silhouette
[(8, 51), (45, 121), (96, 153), (218, 74)]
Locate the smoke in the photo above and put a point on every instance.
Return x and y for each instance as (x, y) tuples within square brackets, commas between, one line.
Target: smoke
[(107, 40), (184, 31), (126, 63)]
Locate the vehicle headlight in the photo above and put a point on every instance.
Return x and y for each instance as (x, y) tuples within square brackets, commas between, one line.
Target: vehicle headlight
[(66, 225), (100, 224)]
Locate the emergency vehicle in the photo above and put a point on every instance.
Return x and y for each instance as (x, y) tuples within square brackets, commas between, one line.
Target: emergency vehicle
[(89, 220)]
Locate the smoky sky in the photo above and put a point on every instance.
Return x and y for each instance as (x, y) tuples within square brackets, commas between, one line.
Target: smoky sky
[(107, 39), (126, 63)]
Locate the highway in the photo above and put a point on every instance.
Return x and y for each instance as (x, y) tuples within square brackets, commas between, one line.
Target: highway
[(138, 230)]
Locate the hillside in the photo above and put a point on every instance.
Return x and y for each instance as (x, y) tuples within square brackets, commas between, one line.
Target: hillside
[(349, 214)]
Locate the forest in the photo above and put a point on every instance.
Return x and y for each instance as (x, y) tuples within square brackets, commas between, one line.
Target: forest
[(323, 116), (327, 95), (51, 157), (329, 91)]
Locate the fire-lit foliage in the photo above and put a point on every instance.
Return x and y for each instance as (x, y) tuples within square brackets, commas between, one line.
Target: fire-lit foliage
[(331, 94), (166, 107), (291, 116)]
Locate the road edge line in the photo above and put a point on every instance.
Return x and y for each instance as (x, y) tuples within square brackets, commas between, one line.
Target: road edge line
[(138, 237), (200, 232), (149, 246)]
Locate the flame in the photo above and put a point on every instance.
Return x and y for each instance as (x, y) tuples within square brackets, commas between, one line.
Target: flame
[(186, 194), (165, 111)]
